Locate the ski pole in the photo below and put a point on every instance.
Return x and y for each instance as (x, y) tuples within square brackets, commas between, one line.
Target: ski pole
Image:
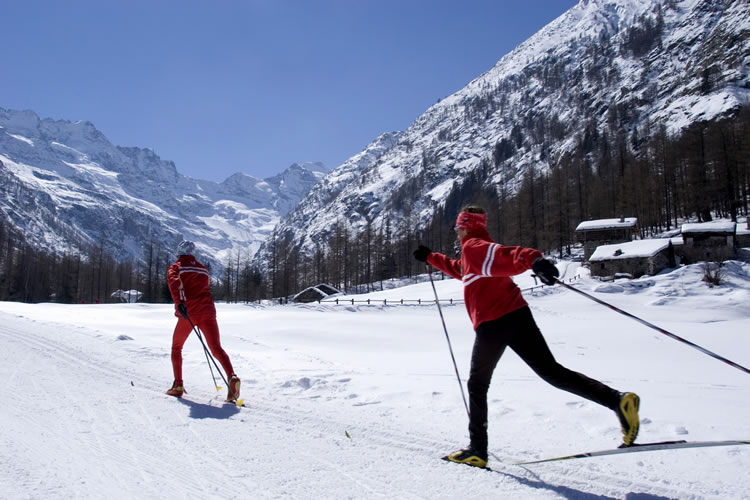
[(658, 329), (450, 348), (207, 362), (208, 355)]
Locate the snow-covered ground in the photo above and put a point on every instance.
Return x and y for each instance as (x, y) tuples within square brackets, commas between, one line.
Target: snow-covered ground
[(358, 401)]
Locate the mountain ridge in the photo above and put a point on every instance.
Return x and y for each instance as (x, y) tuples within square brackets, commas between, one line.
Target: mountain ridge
[(65, 184)]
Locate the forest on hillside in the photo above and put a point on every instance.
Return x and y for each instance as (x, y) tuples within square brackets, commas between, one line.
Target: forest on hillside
[(662, 180)]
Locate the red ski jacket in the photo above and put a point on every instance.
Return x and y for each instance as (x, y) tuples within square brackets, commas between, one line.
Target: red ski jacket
[(189, 282), (485, 268)]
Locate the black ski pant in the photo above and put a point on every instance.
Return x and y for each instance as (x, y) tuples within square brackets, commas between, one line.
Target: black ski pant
[(518, 331)]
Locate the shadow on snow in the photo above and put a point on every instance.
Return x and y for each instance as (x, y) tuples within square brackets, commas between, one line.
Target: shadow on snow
[(206, 410)]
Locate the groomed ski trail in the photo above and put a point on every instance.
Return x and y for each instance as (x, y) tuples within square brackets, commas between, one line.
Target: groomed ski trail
[(100, 403)]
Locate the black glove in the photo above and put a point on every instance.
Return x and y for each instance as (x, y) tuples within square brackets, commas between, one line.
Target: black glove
[(546, 270), (421, 253), (182, 309)]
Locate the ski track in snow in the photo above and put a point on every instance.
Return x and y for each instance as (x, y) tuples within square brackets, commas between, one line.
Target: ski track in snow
[(86, 416)]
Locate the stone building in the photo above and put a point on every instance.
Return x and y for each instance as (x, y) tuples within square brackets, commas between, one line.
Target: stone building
[(708, 241), (593, 233), (632, 259)]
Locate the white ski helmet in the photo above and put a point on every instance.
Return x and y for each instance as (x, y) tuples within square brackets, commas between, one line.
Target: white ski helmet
[(185, 248)]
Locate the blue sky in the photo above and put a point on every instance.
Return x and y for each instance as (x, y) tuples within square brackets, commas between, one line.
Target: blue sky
[(252, 86)]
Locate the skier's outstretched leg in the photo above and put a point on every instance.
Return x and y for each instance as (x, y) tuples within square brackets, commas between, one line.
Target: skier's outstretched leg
[(210, 329), (530, 345)]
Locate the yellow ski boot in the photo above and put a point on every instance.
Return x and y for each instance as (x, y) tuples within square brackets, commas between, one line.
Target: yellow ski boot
[(177, 390), (468, 456), (233, 393), (627, 412)]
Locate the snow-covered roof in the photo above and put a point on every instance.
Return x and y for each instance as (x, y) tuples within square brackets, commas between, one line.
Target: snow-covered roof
[(322, 290), (710, 227), (629, 250), (590, 225)]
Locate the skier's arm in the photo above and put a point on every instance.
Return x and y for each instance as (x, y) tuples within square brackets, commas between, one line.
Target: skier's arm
[(451, 267), (486, 258), (174, 283)]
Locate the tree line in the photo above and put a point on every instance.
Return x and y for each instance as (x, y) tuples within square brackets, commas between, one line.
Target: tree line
[(87, 274)]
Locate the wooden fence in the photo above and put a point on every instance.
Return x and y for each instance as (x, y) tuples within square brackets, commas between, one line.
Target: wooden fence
[(402, 302)]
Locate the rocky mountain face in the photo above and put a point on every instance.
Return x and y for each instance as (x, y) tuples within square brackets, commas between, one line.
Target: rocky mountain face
[(603, 67), (63, 185)]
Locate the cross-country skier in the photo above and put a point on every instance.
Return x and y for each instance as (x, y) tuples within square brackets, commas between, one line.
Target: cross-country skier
[(502, 318), (189, 284)]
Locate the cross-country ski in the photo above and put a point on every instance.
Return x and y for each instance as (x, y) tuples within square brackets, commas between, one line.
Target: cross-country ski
[(637, 448)]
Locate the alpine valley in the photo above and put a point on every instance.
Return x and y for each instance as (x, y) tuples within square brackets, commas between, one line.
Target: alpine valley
[(604, 67)]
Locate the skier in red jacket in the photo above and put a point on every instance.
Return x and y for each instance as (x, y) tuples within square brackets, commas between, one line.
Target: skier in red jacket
[(502, 318), (189, 284)]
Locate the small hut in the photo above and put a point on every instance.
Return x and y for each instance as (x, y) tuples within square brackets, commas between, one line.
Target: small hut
[(127, 295), (632, 259), (709, 241), (316, 293), (594, 233)]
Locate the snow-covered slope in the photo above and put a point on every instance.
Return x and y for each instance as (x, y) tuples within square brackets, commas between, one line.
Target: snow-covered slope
[(63, 184), (604, 65), (362, 401)]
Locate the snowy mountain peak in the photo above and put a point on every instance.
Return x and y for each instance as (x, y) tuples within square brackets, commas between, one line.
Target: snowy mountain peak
[(311, 166), (64, 185)]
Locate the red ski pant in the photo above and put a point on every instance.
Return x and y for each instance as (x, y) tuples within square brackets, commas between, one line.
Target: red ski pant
[(210, 332)]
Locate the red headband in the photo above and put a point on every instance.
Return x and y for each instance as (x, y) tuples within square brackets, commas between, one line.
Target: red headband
[(470, 221)]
